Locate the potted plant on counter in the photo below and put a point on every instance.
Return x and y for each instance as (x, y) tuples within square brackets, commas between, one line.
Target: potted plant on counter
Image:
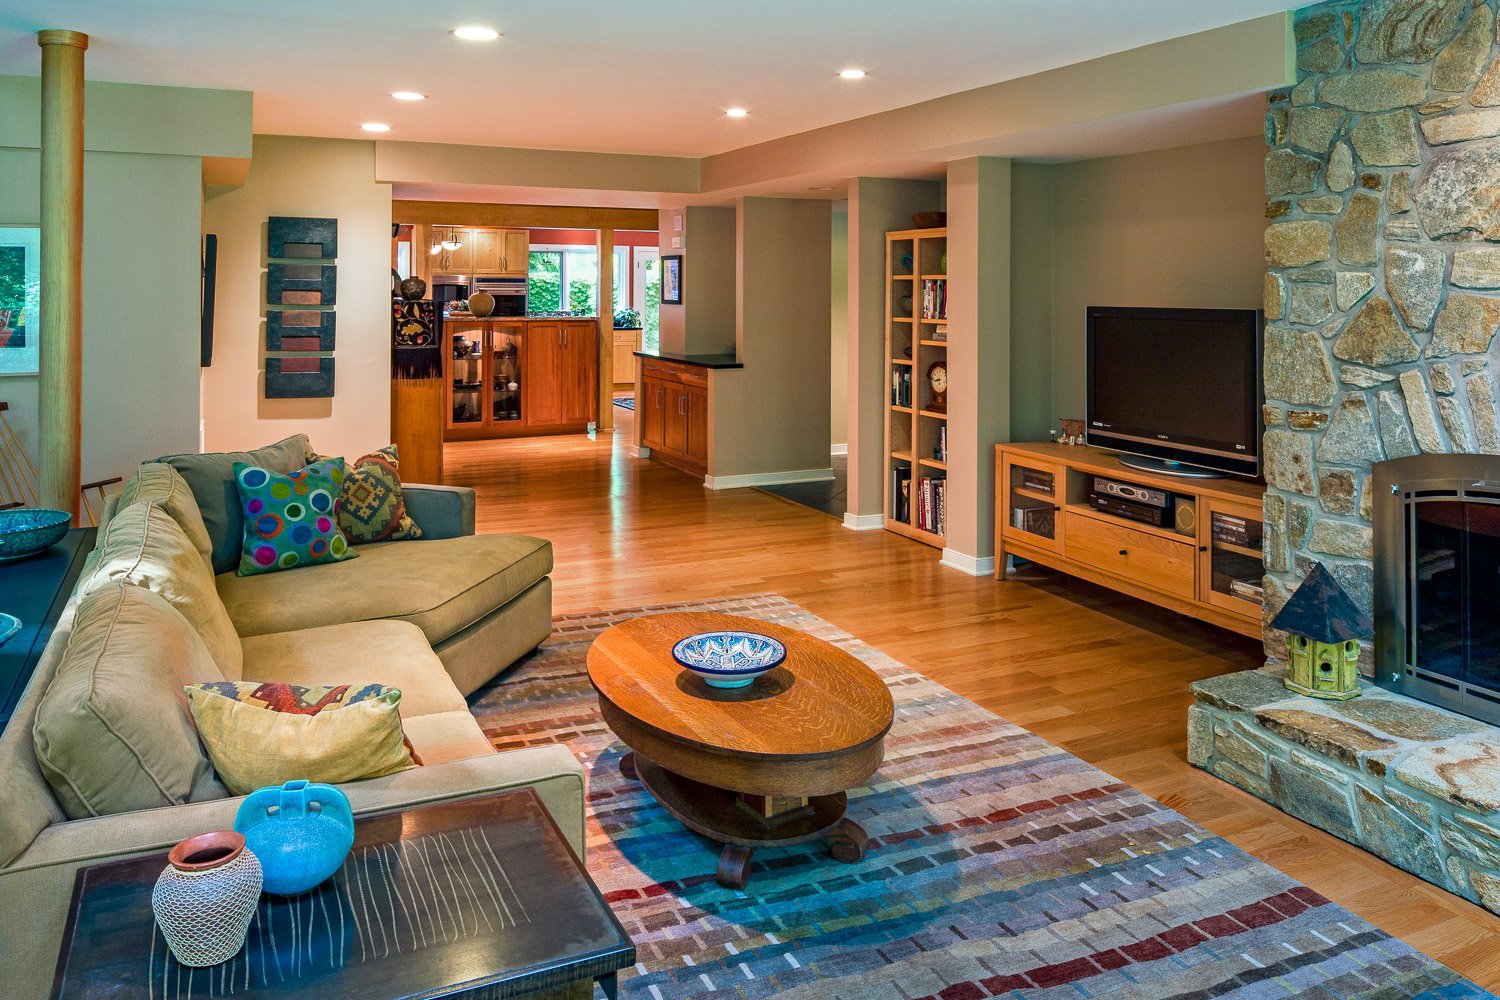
[(627, 319)]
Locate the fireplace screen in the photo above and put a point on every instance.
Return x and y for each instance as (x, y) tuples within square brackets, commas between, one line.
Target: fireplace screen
[(1437, 573)]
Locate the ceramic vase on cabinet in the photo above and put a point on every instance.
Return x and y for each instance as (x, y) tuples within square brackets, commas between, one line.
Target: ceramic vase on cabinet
[(205, 898), (301, 833), (481, 304)]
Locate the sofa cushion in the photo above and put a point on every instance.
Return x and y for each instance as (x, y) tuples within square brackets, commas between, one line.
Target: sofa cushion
[(211, 478), (385, 652), (372, 504), (158, 483), (145, 547), (291, 518), (447, 736), (440, 585), (112, 732), (259, 735)]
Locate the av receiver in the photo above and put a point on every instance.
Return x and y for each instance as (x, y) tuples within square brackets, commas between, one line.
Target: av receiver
[(1129, 491)]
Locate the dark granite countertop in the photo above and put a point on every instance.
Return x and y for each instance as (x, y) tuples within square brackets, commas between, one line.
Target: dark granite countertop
[(717, 361)]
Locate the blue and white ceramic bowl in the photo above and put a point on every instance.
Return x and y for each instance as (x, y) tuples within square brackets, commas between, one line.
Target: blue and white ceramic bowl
[(9, 626), (25, 531), (729, 659)]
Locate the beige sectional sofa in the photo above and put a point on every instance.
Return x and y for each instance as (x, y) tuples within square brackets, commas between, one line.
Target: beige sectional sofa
[(101, 761)]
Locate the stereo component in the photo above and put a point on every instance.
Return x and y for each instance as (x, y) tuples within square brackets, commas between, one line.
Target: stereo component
[(1130, 491), (1130, 510)]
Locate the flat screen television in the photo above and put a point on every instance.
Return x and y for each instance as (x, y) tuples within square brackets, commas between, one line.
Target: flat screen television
[(1177, 390)]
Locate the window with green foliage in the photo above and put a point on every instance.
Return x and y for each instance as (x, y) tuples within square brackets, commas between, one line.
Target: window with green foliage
[(651, 307), (550, 269)]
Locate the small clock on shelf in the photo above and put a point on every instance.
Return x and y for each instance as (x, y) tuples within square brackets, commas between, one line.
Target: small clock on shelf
[(937, 375)]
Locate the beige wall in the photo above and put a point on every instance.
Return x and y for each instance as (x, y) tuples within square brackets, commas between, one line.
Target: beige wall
[(142, 230), (877, 205), (838, 402), (704, 322), (325, 178), (979, 353), (771, 417), (1178, 227)]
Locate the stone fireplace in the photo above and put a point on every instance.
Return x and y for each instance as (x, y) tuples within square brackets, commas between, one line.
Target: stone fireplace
[(1437, 581), (1382, 305)]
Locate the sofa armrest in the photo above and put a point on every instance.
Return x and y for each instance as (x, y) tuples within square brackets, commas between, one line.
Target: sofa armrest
[(440, 511), (38, 886)]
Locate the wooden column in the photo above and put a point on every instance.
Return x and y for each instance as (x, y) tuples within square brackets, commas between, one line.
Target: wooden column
[(607, 330), (60, 416)]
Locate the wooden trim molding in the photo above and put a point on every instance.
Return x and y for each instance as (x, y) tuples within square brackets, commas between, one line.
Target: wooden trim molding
[(483, 214)]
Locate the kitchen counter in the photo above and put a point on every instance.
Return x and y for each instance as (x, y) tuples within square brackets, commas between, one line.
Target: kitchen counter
[(467, 318), (713, 361)]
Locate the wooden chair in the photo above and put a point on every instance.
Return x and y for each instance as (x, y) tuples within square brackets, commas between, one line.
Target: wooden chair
[(18, 475)]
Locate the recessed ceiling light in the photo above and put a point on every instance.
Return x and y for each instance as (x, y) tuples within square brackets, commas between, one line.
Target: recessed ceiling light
[(408, 95), (820, 187), (375, 127), (475, 33), (852, 74), (736, 113)]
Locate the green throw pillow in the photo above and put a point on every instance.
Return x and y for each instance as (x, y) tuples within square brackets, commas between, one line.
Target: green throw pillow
[(291, 518)]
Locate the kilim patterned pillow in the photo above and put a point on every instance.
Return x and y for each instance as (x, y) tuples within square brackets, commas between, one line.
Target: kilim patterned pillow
[(291, 518), (371, 507), (259, 734)]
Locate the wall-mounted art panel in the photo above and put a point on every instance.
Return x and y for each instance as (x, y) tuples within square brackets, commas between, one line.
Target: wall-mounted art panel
[(301, 291), (299, 377), (300, 325), (296, 237), (311, 284)]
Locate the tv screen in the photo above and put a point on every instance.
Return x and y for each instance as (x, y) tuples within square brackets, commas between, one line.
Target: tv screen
[(1180, 386)]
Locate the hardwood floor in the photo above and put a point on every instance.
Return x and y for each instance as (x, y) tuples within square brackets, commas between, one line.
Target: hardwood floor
[(1101, 675)]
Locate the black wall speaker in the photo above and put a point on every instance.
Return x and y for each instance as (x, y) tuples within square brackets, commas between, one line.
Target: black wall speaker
[(206, 320)]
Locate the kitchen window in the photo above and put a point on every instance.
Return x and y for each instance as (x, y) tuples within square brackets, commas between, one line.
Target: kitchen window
[(550, 269)]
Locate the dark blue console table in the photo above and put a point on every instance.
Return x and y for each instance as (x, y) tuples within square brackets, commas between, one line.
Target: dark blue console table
[(35, 590)]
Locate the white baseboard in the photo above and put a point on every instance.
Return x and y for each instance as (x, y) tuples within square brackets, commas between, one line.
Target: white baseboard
[(864, 522), (768, 479), (972, 565), (839, 449), (638, 451)]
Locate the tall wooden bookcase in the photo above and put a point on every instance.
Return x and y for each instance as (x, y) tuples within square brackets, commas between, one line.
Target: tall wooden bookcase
[(916, 335)]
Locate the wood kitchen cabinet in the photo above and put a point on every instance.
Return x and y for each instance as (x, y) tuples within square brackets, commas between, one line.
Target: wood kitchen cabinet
[(485, 249), (674, 414), (563, 358), (515, 252), (488, 253), (626, 343), (514, 377)]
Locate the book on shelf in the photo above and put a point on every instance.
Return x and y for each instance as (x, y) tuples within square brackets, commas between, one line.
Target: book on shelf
[(940, 450), (934, 298), (901, 494), (900, 387), (932, 505)]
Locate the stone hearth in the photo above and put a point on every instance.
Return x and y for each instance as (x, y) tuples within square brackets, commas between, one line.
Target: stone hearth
[(1414, 784)]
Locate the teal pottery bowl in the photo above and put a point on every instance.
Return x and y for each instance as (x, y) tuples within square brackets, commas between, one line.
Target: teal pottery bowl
[(301, 833), (26, 531), (729, 659), (9, 626)]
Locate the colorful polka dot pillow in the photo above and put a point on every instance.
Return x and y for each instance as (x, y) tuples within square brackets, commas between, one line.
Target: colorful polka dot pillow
[(291, 518)]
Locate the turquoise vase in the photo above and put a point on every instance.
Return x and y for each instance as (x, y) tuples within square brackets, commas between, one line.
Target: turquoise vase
[(300, 832)]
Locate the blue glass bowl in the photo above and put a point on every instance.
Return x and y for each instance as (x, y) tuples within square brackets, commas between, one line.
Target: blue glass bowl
[(729, 659), (26, 531)]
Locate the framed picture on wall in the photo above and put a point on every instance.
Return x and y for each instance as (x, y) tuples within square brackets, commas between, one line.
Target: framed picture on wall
[(671, 279), (20, 289)]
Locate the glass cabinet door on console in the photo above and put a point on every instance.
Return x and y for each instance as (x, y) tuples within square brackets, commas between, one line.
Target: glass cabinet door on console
[(505, 376), (1229, 544), (1033, 495), (466, 395)]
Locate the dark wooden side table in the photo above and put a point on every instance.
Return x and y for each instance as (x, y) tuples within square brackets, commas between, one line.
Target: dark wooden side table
[(760, 766), (478, 898), (35, 590)]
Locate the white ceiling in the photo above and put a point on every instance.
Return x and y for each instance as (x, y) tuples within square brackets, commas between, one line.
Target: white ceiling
[(653, 76)]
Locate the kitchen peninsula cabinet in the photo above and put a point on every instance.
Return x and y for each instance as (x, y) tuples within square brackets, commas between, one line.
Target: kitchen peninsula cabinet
[(674, 414), (514, 377)]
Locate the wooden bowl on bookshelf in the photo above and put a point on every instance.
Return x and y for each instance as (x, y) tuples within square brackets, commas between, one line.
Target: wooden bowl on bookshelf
[(930, 220)]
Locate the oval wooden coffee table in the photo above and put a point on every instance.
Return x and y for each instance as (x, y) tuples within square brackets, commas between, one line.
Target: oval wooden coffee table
[(760, 766)]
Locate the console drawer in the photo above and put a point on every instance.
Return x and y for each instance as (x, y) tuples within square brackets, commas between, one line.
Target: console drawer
[(1140, 557)]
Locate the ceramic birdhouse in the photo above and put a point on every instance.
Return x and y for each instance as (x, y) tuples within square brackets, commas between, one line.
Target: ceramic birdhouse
[(1324, 627)]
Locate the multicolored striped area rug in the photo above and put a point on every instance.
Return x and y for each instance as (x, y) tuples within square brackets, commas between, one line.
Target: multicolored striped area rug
[(999, 865)]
